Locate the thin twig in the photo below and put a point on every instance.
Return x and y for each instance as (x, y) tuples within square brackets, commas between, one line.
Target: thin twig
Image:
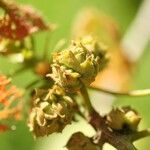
[(46, 46), (86, 99), (32, 84), (16, 72), (32, 43), (141, 134), (134, 93)]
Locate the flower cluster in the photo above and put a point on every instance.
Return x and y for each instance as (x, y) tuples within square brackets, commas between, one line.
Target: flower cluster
[(20, 21), (51, 112), (78, 64), (9, 96)]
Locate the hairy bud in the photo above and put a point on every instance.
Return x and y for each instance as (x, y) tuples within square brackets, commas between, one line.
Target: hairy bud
[(78, 64), (124, 118), (52, 111)]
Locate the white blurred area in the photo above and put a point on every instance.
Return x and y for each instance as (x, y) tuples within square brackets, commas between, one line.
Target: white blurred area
[(138, 34)]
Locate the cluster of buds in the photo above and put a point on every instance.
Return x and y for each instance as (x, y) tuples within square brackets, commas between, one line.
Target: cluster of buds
[(78, 64), (9, 96), (123, 119), (51, 112)]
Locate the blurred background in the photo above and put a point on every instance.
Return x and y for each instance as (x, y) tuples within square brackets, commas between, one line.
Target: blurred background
[(63, 13)]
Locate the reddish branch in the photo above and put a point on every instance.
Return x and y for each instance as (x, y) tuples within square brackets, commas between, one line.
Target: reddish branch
[(120, 141)]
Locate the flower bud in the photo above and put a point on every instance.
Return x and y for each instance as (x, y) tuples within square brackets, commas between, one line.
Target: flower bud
[(42, 68), (52, 111), (78, 64), (79, 141), (123, 119)]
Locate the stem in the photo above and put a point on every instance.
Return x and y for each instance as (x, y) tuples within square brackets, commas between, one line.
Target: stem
[(16, 72), (134, 93), (32, 43), (140, 134), (86, 98), (100, 145), (118, 141), (59, 45), (32, 84), (46, 46)]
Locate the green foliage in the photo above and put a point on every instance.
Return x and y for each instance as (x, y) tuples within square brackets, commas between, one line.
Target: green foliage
[(56, 11)]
